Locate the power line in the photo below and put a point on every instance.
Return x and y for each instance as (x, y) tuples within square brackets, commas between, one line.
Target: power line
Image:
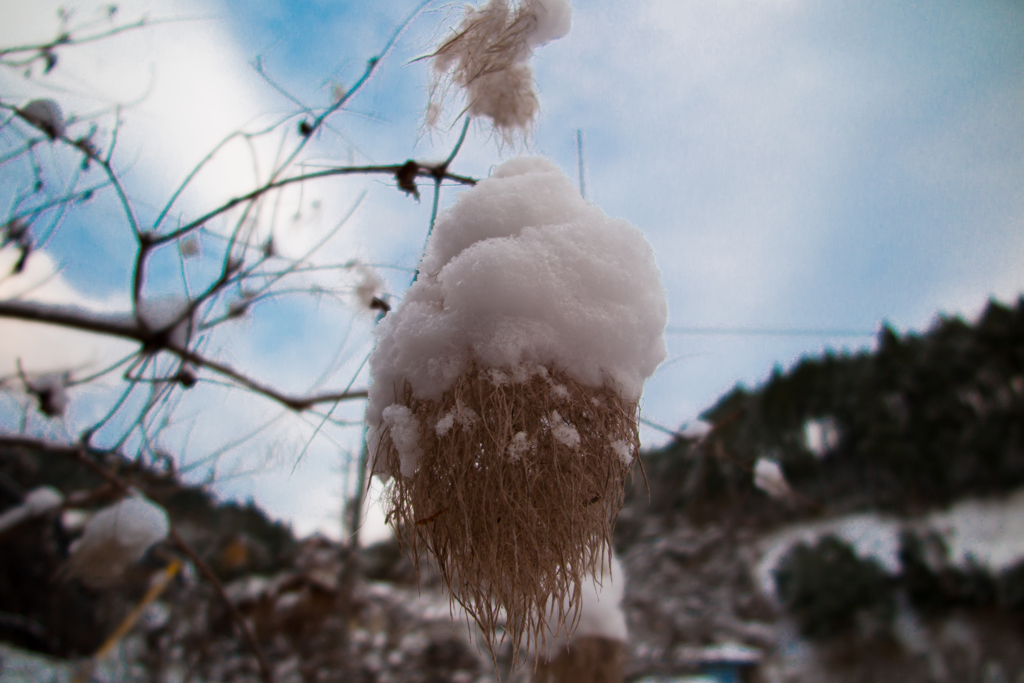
[(769, 331), (678, 433)]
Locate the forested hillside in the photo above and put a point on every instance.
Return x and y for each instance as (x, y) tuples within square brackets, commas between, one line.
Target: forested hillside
[(919, 422), (874, 448)]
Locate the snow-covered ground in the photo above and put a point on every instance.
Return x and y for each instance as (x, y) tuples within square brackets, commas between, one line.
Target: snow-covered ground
[(21, 666), (991, 531)]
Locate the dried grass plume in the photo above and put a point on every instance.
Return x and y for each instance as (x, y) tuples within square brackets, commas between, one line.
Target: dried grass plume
[(487, 58), (516, 490)]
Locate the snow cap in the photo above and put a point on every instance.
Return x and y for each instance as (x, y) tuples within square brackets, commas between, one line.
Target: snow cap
[(38, 502), (554, 19), (522, 272), (43, 499)]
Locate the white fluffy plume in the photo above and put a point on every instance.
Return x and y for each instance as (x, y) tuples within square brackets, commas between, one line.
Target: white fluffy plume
[(487, 57)]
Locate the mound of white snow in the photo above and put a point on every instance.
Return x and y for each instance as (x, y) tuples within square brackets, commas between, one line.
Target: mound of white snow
[(601, 612), (521, 272)]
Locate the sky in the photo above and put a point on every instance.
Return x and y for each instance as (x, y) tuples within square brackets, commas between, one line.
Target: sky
[(795, 165)]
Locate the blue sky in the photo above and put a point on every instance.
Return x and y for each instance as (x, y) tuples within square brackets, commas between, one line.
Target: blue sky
[(794, 164)]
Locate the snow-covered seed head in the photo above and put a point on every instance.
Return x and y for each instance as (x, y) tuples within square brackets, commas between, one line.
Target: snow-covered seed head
[(486, 56), (44, 115), (504, 393), (115, 538)]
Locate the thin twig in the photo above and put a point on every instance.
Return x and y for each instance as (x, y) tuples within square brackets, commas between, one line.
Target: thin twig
[(458, 145), (274, 184), (66, 40), (440, 172), (265, 672), (198, 167), (371, 66)]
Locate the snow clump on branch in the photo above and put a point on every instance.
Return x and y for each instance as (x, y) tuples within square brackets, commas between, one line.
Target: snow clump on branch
[(487, 57), (769, 478), (169, 313), (46, 116), (38, 502), (115, 538)]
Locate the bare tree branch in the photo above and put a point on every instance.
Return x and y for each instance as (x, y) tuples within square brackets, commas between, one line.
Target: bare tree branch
[(265, 672), (153, 341), (425, 170)]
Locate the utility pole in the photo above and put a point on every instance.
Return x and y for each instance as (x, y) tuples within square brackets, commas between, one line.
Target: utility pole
[(579, 161)]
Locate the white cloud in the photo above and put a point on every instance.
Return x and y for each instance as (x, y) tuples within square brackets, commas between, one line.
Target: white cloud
[(45, 348)]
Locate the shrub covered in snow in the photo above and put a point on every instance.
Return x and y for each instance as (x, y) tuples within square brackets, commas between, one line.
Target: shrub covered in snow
[(934, 583), (830, 590), (504, 390)]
